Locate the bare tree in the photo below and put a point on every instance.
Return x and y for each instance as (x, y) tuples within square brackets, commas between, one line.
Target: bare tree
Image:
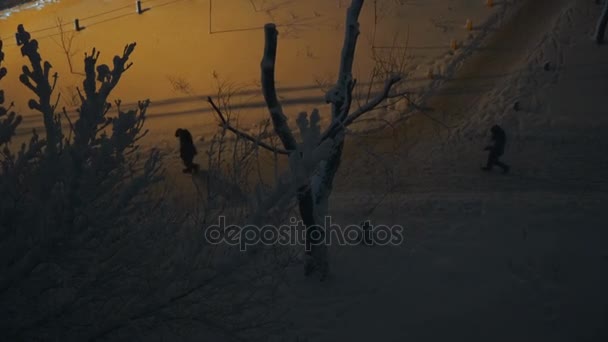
[(315, 160), (91, 249), (66, 41)]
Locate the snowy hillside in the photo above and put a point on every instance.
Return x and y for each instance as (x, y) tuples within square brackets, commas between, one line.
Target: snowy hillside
[(518, 257)]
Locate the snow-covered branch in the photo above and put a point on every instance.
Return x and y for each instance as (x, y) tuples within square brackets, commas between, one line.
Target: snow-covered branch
[(337, 126), (340, 96), (371, 105), (279, 119)]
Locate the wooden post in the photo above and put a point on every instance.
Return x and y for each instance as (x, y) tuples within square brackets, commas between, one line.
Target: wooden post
[(77, 25), (138, 6), (210, 14)]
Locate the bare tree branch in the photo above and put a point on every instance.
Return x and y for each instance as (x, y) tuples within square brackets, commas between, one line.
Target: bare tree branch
[(374, 102), (337, 126), (257, 141), (65, 43)]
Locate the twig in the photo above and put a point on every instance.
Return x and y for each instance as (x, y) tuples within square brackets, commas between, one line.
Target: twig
[(336, 126), (257, 141)]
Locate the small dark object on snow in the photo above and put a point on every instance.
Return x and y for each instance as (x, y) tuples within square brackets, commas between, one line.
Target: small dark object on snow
[(499, 137), (187, 150), (516, 106)]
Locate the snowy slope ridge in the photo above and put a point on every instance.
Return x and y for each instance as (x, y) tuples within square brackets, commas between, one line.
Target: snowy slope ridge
[(445, 67), (19, 5), (486, 257)]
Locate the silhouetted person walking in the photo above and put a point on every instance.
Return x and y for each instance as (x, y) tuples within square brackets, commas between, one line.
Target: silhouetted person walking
[(499, 138), (187, 150)]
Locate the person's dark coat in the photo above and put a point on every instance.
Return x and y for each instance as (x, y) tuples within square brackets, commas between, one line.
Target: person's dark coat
[(499, 138), (187, 150), (497, 149)]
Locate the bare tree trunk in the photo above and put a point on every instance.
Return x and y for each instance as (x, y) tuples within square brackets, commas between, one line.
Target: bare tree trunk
[(341, 98), (306, 202), (601, 25)]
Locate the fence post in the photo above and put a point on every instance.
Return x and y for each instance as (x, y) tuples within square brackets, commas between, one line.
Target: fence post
[(210, 15), (138, 6), (77, 25)]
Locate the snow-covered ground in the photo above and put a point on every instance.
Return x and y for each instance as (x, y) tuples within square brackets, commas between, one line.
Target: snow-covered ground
[(487, 257), (9, 9)]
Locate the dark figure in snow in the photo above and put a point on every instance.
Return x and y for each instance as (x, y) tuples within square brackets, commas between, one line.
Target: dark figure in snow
[(187, 151), (497, 149)]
